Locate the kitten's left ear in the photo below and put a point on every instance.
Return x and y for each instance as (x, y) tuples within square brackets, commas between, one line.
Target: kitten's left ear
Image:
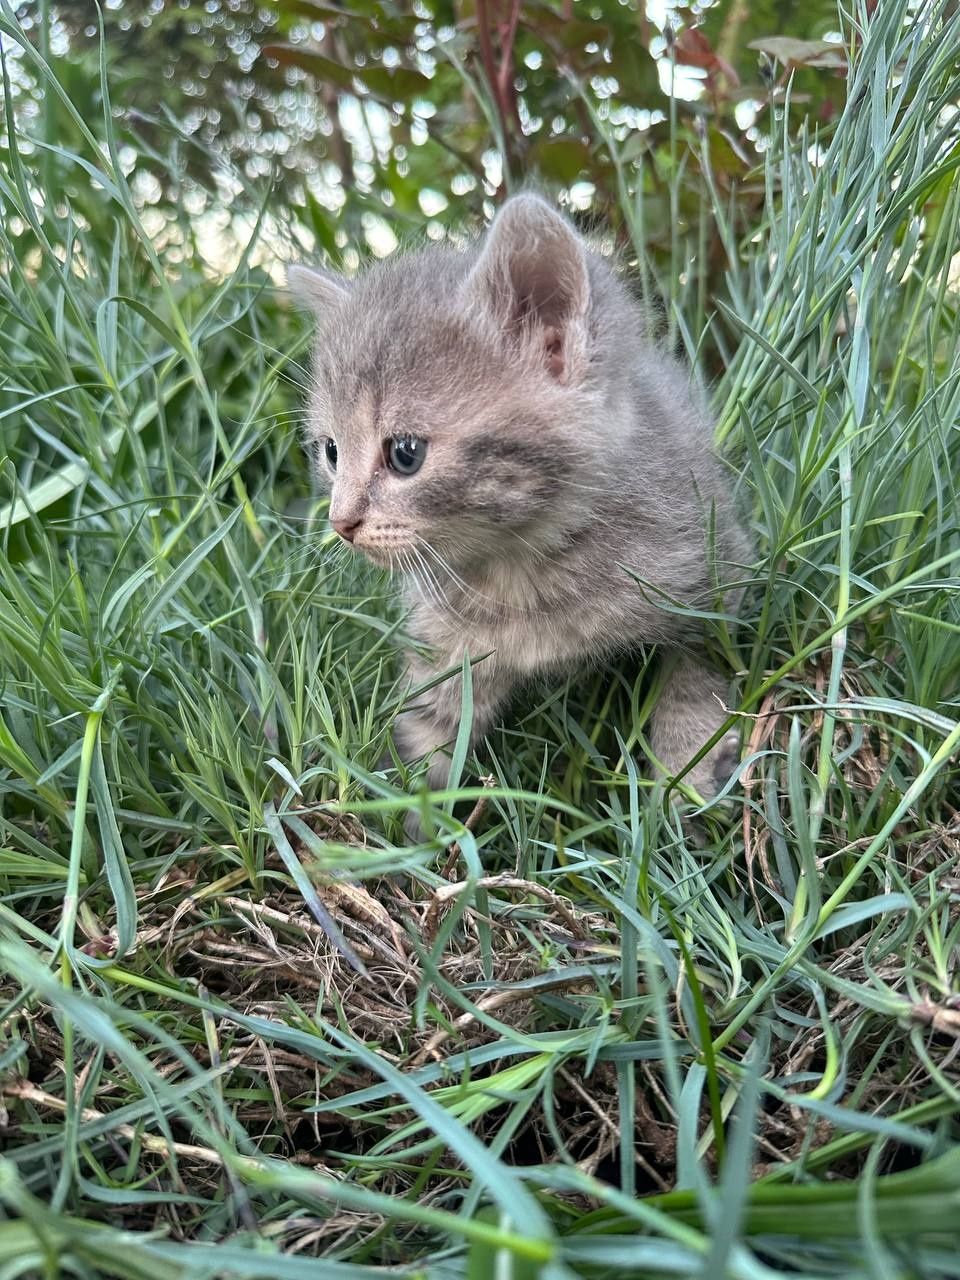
[(532, 276), (321, 291)]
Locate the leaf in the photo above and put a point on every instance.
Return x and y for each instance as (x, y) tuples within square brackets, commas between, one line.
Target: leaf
[(486, 1259), (561, 159), (572, 33), (284, 848), (883, 904), (157, 602), (725, 160), (392, 83), (119, 876), (316, 11), (462, 744), (69, 477), (693, 49), (396, 26), (810, 53)]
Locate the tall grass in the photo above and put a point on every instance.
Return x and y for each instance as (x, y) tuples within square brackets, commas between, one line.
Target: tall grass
[(588, 1039)]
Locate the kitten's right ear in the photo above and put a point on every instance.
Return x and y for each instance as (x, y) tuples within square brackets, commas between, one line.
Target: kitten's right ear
[(531, 277), (321, 291)]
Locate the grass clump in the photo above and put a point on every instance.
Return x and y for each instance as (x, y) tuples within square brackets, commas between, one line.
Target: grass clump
[(237, 1009)]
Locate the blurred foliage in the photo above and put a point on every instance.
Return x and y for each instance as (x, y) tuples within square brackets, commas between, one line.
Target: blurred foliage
[(373, 119)]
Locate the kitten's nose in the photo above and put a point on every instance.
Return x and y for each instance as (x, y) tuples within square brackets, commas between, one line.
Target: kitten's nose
[(347, 529)]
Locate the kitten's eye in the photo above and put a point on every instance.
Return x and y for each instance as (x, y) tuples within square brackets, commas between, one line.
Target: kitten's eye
[(405, 454), (330, 449)]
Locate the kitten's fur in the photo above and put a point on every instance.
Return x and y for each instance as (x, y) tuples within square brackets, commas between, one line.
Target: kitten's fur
[(562, 446)]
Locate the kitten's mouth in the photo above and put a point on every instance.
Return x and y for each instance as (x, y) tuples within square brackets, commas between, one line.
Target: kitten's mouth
[(385, 552), (399, 549), (383, 557)]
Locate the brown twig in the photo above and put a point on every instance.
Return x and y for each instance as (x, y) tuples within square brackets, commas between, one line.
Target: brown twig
[(506, 881), (946, 1021), (495, 1000), (476, 813), (764, 726), (500, 78), (613, 1135), (27, 1092)]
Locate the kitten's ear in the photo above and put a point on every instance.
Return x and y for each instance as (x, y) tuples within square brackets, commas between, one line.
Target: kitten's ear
[(532, 276), (321, 291)]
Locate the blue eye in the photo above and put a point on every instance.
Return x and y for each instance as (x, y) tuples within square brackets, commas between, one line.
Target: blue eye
[(330, 449), (405, 454)]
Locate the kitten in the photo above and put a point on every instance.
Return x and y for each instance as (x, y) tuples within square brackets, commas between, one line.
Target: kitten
[(496, 425)]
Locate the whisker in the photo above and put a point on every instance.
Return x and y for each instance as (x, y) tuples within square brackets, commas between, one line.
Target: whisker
[(473, 593), (443, 563), (585, 488), (287, 415), (266, 346), (431, 582), (420, 581), (469, 592), (536, 551)]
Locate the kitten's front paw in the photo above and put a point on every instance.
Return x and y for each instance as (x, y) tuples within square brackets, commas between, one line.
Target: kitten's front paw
[(413, 827), (434, 777), (691, 708)]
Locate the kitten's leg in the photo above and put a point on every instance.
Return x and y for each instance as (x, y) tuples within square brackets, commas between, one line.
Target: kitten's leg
[(689, 711), (434, 720)]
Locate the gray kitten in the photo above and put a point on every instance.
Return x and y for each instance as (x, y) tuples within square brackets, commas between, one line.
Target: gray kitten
[(496, 425)]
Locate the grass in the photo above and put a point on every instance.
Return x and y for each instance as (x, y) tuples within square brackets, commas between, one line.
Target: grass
[(583, 1040)]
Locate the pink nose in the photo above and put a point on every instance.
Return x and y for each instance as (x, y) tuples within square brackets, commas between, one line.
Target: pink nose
[(347, 529)]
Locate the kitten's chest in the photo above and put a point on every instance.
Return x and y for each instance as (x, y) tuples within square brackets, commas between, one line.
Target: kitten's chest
[(524, 641), (528, 645)]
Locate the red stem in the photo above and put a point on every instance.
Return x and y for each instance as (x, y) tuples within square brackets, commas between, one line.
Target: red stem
[(500, 79)]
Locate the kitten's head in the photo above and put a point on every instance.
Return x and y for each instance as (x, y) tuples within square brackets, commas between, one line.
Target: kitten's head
[(454, 396)]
